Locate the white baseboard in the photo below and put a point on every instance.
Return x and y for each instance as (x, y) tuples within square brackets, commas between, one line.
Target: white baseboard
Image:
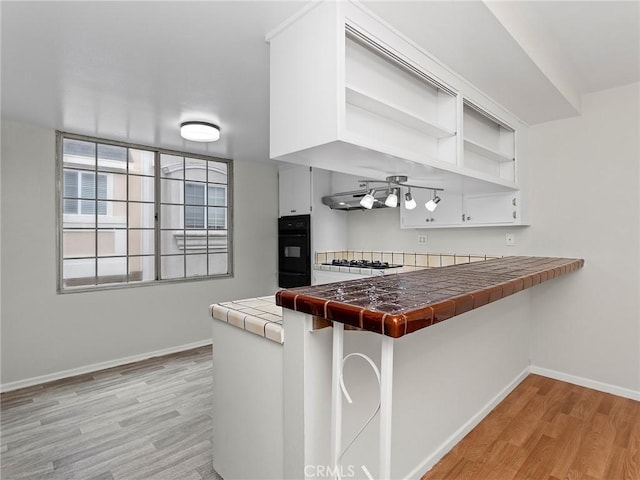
[(29, 382), (459, 434), (587, 382)]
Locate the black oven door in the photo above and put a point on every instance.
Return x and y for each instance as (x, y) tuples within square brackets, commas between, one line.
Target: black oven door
[(294, 256)]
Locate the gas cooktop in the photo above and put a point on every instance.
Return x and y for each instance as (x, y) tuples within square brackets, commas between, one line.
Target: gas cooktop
[(377, 265)]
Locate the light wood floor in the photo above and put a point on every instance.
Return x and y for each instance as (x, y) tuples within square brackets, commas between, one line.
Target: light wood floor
[(148, 420), (550, 430)]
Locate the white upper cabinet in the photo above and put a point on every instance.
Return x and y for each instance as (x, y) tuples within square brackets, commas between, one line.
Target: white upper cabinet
[(492, 209), (294, 190), (349, 94)]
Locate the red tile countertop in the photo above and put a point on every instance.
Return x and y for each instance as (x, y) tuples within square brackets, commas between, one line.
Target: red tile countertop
[(396, 305)]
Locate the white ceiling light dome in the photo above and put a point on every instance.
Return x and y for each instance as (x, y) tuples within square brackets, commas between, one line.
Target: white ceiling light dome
[(199, 131)]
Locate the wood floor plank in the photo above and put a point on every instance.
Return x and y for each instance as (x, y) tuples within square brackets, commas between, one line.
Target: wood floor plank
[(550, 430), (539, 462), (595, 447), (621, 417), (631, 455), (568, 444)]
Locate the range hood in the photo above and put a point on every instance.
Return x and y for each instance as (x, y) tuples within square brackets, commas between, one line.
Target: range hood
[(351, 200)]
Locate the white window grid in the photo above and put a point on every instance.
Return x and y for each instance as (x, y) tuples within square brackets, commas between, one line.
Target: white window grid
[(83, 167)]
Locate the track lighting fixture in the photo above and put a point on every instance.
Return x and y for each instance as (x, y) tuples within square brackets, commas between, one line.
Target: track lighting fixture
[(374, 196)]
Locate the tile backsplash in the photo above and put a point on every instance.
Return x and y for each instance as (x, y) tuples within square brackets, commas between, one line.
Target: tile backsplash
[(410, 259)]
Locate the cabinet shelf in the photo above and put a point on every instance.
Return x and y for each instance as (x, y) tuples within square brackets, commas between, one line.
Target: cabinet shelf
[(360, 99), (487, 152)]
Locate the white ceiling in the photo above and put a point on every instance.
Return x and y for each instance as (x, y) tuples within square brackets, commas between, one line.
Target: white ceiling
[(133, 71)]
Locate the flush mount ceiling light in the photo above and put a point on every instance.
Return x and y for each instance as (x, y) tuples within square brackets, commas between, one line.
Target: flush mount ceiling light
[(199, 131), (367, 200)]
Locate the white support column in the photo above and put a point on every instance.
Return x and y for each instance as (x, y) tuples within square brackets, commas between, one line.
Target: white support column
[(336, 393), (386, 394)]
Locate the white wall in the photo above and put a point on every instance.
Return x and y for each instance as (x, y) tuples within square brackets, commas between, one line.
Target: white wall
[(588, 323), (44, 333), (380, 230), (587, 205), (328, 227)]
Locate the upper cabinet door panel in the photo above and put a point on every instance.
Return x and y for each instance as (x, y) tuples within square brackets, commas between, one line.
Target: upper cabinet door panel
[(294, 190), (447, 214)]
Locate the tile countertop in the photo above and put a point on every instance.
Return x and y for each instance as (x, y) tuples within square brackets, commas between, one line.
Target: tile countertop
[(410, 261), (260, 316), (396, 305)]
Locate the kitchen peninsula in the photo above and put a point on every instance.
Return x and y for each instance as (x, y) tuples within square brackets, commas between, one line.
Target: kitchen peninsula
[(444, 363), (397, 305)]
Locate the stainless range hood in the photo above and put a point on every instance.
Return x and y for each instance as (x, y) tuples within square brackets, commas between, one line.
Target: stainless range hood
[(351, 200)]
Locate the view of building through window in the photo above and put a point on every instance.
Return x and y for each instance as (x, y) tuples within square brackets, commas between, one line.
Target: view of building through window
[(131, 214)]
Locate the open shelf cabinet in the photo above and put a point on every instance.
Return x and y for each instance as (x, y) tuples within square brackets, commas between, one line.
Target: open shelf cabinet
[(395, 103), (489, 144)]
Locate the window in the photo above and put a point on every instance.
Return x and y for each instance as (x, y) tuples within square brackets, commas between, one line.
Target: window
[(214, 215), (80, 192), (130, 214)]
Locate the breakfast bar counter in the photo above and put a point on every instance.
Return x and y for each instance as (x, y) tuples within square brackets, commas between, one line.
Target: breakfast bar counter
[(396, 305)]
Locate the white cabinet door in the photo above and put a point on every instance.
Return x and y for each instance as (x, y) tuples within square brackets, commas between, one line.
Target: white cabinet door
[(295, 190), (495, 208), (448, 212)]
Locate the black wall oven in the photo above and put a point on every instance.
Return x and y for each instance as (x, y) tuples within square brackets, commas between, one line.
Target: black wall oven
[(294, 251)]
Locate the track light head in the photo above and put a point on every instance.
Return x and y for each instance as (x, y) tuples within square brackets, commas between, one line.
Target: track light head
[(367, 200), (432, 204), (409, 201), (392, 199)]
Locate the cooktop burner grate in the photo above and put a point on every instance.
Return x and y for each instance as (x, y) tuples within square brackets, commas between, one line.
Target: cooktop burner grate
[(377, 265)]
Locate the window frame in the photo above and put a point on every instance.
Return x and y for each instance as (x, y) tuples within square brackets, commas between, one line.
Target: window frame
[(157, 230)]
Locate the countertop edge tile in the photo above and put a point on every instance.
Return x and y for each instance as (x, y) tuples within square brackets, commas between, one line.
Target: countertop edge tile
[(227, 312)]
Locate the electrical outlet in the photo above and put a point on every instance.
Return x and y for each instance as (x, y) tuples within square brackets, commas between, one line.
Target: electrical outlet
[(510, 238), (422, 239)]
